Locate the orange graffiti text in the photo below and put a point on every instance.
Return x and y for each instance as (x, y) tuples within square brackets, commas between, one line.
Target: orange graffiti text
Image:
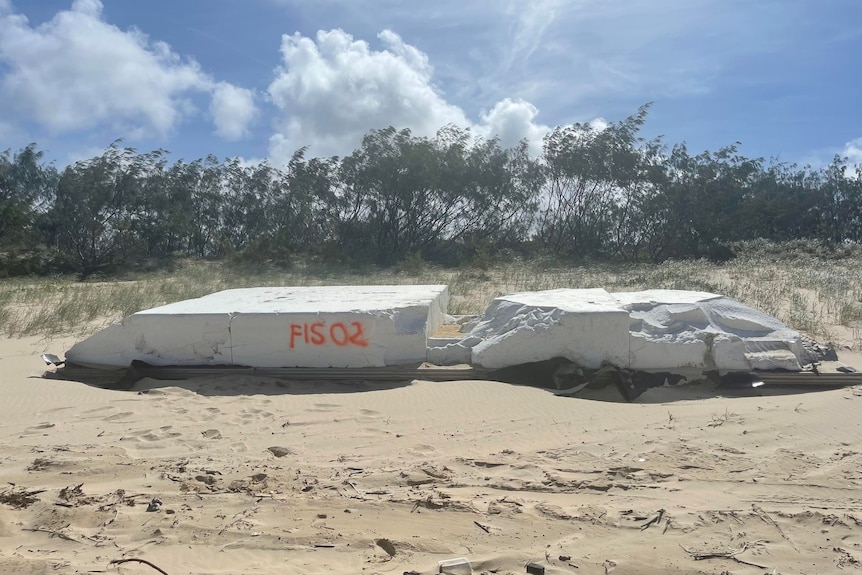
[(318, 333)]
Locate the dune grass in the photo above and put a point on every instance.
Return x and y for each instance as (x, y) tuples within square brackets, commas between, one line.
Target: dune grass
[(822, 298)]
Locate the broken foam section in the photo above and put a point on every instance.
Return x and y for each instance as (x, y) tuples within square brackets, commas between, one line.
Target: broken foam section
[(648, 330)]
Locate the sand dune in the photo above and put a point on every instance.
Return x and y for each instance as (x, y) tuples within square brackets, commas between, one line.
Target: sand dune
[(250, 475)]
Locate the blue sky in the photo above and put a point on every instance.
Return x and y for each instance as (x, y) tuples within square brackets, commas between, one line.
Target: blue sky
[(260, 78)]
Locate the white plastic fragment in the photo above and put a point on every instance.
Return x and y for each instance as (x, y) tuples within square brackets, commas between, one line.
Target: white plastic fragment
[(459, 566)]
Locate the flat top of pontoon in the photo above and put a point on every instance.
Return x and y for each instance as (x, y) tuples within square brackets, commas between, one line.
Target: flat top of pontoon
[(663, 296), (590, 300), (305, 299)]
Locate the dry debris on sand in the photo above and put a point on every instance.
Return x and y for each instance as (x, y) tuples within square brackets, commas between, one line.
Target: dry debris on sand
[(249, 475)]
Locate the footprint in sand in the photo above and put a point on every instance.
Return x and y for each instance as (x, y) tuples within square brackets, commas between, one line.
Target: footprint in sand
[(374, 432), (38, 428), (369, 412), (323, 407), (99, 409), (151, 435), (45, 425), (211, 434), (58, 409), (255, 414), (163, 436), (118, 416)]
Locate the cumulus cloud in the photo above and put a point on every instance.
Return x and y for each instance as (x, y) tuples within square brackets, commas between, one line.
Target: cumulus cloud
[(233, 110), (512, 121), (76, 72), (331, 90), (853, 151)]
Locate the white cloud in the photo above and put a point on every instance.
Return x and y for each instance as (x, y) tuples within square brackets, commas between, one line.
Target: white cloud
[(574, 59), (599, 124), (853, 151), (331, 90), (233, 110), (251, 162), (822, 158), (512, 121), (91, 8), (77, 72), (528, 24)]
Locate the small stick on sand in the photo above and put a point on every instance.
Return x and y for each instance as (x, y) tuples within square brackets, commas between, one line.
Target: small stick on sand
[(655, 520), (144, 561), (765, 517), (53, 533), (730, 554), (107, 522), (666, 526), (482, 527), (353, 485)]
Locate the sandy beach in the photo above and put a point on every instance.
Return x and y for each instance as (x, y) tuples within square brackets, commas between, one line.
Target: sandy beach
[(247, 475)]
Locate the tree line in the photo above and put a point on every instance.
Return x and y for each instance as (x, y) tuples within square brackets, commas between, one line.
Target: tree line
[(591, 193)]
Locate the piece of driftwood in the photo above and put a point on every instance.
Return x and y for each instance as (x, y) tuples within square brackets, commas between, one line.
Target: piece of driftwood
[(729, 554), (654, 521), (52, 533), (136, 560)]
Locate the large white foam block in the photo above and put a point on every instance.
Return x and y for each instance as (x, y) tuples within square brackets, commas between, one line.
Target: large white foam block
[(671, 328), (322, 326), (653, 330), (586, 326)]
